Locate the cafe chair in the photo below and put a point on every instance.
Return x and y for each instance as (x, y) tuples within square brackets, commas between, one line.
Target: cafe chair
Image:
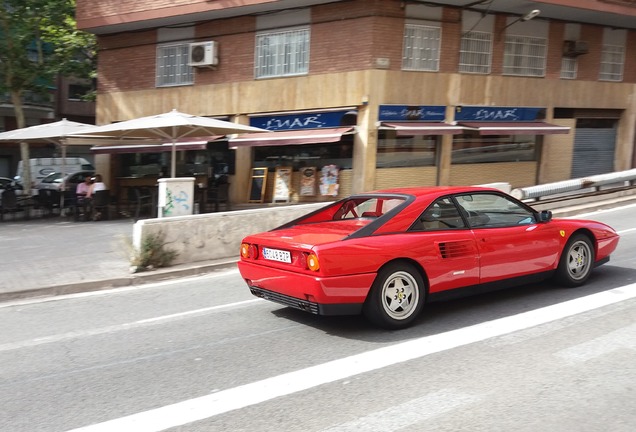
[(9, 203), (49, 200), (219, 193), (141, 199), (101, 205)]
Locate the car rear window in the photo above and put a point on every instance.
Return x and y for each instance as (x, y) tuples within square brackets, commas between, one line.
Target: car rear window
[(366, 207)]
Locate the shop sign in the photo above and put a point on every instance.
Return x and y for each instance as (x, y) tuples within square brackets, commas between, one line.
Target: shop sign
[(412, 112), (316, 120), (499, 114)]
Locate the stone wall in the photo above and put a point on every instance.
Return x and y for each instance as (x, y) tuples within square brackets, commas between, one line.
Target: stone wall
[(213, 236)]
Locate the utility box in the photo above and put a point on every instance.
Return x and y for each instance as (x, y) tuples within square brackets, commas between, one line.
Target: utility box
[(176, 196)]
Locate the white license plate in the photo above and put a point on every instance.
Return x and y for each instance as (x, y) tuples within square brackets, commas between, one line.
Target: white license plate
[(277, 255)]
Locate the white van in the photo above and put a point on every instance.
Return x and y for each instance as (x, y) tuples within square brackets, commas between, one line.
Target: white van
[(41, 167)]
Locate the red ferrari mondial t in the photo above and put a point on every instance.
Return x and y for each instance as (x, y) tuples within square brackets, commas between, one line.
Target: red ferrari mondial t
[(386, 253)]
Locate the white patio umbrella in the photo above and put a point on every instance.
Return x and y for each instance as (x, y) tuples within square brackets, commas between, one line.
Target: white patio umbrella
[(169, 126), (55, 133), (47, 132)]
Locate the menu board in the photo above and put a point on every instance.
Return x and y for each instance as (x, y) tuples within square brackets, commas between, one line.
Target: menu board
[(257, 185), (282, 184), (329, 180), (308, 181)]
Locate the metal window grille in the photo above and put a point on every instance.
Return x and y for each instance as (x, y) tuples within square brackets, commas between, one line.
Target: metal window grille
[(569, 68), (172, 65), (524, 56), (421, 48), (612, 60), (475, 52), (282, 53)]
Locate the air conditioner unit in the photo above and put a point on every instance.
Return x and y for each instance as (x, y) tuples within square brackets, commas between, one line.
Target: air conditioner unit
[(574, 48), (203, 54)]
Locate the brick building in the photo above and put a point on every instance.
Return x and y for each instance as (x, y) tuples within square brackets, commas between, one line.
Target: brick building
[(387, 92)]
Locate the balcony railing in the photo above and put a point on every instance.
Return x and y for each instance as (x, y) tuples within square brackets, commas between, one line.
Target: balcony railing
[(30, 98)]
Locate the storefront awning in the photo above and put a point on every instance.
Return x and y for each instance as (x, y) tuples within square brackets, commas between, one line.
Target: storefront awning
[(200, 144), (295, 137), (421, 128), (515, 128)]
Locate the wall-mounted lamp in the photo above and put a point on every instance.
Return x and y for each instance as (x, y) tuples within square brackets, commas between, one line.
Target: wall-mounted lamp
[(527, 17), (533, 13)]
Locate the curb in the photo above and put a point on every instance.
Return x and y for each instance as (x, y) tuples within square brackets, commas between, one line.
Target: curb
[(183, 270)]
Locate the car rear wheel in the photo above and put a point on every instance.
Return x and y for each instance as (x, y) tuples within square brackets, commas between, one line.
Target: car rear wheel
[(576, 262), (396, 297)]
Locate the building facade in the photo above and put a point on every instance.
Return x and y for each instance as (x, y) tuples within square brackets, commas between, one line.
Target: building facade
[(369, 94)]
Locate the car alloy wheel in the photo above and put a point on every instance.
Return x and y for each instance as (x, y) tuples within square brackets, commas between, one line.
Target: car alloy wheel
[(397, 296), (576, 262), (400, 295)]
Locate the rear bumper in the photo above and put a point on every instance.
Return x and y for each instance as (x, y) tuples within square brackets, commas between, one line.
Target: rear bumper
[(307, 306), (341, 295)]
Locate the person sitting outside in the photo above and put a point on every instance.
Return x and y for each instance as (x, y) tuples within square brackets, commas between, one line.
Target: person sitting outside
[(97, 185), (81, 195)]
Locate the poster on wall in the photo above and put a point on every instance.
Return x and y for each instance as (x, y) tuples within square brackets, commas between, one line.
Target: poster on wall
[(329, 180), (308, 181), (282, 184)]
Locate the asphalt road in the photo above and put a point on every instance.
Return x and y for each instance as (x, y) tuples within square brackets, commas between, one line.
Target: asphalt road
[(202, 354)]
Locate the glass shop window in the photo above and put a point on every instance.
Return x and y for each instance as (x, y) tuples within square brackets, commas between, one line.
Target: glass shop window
[(475, 148), (408, 151), (306, 155)]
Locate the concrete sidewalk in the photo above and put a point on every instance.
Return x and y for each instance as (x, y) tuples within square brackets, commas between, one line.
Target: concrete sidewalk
[(53, 256)]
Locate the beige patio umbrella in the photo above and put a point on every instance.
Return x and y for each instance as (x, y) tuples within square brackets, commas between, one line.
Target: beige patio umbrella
[(170, 126)]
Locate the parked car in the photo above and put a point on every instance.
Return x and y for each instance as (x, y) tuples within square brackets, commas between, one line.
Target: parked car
[(56, 180), (386, 253), (6, 183), (41, 167)]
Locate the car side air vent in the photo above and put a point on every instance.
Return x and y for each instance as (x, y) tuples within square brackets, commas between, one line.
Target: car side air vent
[(456, 249)]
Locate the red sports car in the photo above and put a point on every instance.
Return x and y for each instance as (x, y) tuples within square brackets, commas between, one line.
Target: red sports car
[(386, 253)]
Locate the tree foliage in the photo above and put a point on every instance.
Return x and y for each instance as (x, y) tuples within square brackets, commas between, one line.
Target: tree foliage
[(38, 41)]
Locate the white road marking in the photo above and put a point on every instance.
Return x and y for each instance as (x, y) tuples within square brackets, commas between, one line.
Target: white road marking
[(625, 231), (597, 347), (144, 286), (613, 209), (119, 327), (409, 413), (204, 407)]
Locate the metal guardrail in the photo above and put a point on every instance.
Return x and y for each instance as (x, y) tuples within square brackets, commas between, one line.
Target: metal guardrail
[(619, 179)]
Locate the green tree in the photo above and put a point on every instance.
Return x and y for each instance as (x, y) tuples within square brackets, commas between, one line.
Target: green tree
[(39, 40)]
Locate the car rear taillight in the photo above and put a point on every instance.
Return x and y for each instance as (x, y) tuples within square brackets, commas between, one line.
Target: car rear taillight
[(312, 262), (249, 251)]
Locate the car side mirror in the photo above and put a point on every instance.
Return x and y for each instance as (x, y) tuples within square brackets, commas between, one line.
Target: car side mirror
[(545, 216)]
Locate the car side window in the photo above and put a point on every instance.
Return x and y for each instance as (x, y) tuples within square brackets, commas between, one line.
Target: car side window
[(441, 215), (490, 210)]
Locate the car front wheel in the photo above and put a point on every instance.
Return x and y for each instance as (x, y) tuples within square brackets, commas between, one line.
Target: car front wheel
[(396, 297), (576, 262)]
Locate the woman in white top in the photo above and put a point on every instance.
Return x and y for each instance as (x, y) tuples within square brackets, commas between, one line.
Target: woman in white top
[(97, 185)]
